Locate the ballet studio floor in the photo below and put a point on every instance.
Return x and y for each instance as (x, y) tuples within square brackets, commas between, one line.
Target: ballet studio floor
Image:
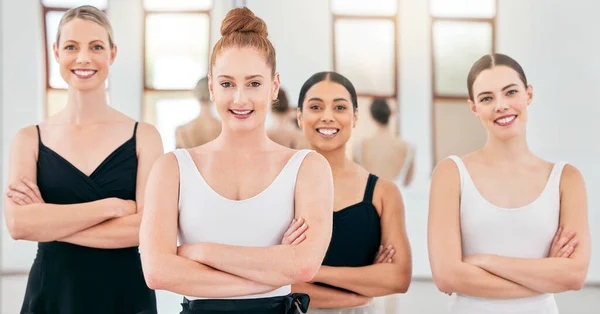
[(422, 298)]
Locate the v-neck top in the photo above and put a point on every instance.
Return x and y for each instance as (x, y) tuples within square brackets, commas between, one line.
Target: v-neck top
[(60, 182)]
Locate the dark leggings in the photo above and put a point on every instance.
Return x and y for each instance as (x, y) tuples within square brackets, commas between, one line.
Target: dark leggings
[(289, 304)]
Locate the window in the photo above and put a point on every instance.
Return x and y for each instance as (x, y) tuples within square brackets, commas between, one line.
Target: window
[(176, 56), (56, 87), (365, 50), (462, 31)]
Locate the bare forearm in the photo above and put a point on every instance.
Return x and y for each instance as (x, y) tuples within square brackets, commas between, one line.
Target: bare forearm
[(539, 274), (186, 277), (49, 222), (371, 281), (324, 297), (277, 265), (112, 234), (473, 281)]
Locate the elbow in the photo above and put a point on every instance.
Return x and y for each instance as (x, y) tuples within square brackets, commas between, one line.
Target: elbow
[(443, 280), (305, 272), (576, 280), (403, 283), (15, 227), (152, 275)]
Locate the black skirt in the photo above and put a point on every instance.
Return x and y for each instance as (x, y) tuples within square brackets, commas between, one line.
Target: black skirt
[(289, 304), (71, 279)]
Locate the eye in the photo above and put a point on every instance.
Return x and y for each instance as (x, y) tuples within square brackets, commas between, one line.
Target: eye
[(70, 47), (255, 84), (98, 47), (512, 92), (340, 107), (485, 99), (226, 84), (315, 107)]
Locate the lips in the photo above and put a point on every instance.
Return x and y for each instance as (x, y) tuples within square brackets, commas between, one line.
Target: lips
[(506, 120), (328, 132), (241, 114), (84, 73)]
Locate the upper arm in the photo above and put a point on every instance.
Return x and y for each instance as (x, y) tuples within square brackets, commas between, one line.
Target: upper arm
[(21, 163), (443, 229), (314, 203), (150, 148), (393, 228), (574, 212), (158, 230)]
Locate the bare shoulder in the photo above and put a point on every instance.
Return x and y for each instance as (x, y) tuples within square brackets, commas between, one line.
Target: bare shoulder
[(147, 136), (571, 178), (26, 138), (445, 170), (314, 167), (387, 192), (166, 166)]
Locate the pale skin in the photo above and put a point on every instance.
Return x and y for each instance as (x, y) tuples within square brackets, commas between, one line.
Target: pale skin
[(508, 175), (240, 80), (328, 105), (84, 134)]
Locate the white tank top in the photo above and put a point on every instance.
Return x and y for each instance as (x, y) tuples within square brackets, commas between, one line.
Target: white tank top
[(259, 221), (524, 232)]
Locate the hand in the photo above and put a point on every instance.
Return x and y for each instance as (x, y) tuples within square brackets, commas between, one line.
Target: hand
[(124, 207), (384, 255), (563, 245), (25, 192), (295, 233)]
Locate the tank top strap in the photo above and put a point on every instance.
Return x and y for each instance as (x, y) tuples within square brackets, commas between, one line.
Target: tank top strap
[(293, 165), (37, 126), (135, 129), (371, 182), (556, 175), (462, 170)]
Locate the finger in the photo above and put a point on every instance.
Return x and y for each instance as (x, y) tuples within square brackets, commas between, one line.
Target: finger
[(21, 197), (299, 240), (18, 200), (382, 257), (389, 261), (300, 231), (24, 190), (570, 249), (565, 248), (296, 223), (565, 239), (33, 187), (391, 253)]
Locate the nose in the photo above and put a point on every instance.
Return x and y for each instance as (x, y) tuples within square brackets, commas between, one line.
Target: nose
[(239, 97), (501, 105), (327, 115), (83, 57)]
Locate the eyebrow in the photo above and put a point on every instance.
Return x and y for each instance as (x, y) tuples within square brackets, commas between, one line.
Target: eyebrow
[(249, 77), (336, 99), (74, 41), (503, 89)]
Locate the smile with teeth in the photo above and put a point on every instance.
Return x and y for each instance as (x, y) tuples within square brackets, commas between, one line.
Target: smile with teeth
[(241, 112), (83, 74), (327, 131), (506, 120)]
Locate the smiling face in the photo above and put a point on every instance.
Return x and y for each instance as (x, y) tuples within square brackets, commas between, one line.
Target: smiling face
[(242, 86), (500, 100), (327, 116), (84, 54)]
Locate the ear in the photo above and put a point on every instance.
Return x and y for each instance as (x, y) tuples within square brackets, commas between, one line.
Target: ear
[(355, 118), (472, 106), (276, 85), (55, 50), (210, 88), (113, 54), (529, 94), (299, 117)]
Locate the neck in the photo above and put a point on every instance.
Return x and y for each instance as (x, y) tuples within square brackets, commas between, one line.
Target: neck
[(507, 151), (88, 106), (205, 110), (382, 129), (337, 159), (243, 141)]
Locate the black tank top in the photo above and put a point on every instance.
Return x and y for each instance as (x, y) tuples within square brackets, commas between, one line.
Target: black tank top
[(356, 233)]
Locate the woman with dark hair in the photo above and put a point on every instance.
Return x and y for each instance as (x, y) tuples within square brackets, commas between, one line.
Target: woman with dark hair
[(383, 153), (231, 200), (283, 132), (507, 229), (369, 253)]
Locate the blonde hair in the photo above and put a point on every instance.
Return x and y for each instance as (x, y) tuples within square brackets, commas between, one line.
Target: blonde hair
[(241, 28), (88, 13)]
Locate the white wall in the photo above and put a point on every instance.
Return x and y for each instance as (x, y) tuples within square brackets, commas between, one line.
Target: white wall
[(558, 51), (23, 62)]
